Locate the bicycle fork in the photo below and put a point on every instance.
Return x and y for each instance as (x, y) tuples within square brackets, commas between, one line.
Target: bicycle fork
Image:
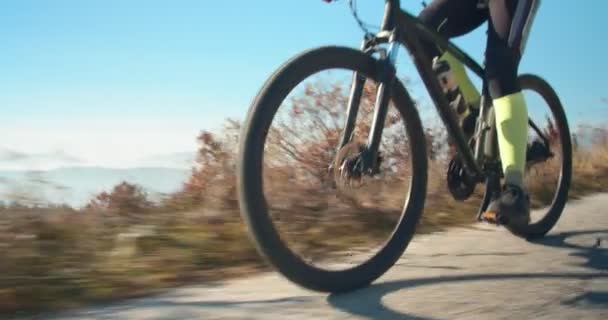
[(387, 76)]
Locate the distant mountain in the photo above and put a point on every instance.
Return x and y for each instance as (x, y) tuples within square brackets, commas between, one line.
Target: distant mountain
[(14, 160), (169, 160), (19, 161), (10, 155), (77, 185)]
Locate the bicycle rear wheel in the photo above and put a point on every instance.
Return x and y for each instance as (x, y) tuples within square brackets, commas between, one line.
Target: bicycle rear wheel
[(269, 163), (549, 157)]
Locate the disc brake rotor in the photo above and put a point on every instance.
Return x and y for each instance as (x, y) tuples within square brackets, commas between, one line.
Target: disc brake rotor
[(347, 165)]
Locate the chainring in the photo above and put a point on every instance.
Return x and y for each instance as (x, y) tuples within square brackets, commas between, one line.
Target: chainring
[(460, 184)]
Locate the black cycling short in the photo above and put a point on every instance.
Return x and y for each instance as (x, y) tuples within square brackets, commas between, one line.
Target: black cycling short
[(508, 26)]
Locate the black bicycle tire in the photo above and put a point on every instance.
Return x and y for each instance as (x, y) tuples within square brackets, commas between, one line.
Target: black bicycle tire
[(249, 173)]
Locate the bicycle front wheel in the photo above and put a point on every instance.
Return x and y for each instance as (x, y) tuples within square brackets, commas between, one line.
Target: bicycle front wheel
[(320, 234)]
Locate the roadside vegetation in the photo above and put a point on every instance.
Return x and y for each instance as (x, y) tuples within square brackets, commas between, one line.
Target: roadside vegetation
[(122, 244)]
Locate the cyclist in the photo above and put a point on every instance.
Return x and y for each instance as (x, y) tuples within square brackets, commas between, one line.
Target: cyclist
[(508, 25)]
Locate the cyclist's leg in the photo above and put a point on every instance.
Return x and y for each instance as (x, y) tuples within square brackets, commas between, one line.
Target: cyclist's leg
[(453, 18), (502, 61)]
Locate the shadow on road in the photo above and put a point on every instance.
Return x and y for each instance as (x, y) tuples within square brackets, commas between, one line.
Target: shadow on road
[(589, 299), (594, 250), (368, 302)]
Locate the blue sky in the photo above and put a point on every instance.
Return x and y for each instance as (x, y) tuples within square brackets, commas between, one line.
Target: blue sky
[(113, 81)]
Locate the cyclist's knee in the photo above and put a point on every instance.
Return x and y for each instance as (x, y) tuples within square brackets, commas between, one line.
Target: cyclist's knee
[(434, 16), (429, 16)]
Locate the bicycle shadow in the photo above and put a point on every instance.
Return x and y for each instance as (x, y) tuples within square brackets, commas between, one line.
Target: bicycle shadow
[(594, 255), (367, 302), (595, 252)]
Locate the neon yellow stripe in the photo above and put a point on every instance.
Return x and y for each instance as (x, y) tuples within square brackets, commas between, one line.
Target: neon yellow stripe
[(512, 130), (469, 92)]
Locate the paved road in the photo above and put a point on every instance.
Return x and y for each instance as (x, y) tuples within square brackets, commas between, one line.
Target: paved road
[(478, 273)]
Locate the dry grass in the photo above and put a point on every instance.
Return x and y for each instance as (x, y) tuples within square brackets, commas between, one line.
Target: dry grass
[(64, 259)]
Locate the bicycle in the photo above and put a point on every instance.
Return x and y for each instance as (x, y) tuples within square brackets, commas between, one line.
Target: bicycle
[(478, 161)]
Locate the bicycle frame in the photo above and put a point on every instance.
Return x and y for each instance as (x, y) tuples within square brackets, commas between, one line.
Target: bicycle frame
[(472, 161), (401, 28)]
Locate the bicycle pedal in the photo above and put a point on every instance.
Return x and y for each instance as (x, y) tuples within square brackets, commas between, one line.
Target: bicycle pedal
[(490, 217)]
